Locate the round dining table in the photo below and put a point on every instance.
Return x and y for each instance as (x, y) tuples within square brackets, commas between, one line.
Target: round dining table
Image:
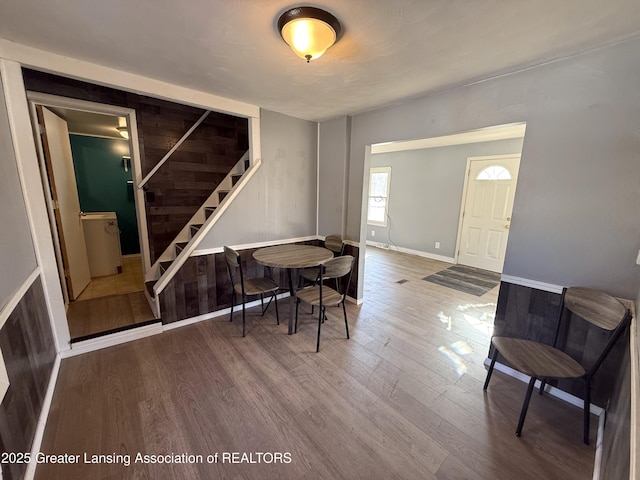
[(292, 257)]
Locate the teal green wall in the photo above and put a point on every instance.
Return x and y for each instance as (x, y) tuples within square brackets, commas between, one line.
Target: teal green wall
[(102, 183)]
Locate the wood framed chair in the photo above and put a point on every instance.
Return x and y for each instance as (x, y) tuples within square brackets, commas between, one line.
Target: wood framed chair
[(322, 296), (550, 362), (331, 242), (248, 286)]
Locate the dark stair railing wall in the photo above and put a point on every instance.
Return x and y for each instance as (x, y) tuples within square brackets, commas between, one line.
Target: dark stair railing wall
[(179, 187)]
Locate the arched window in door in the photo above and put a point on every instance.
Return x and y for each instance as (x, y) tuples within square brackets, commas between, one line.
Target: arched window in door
[(494, 172)]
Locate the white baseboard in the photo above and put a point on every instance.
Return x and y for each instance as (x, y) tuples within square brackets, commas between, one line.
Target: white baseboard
[(525, 282), (246, 246), (419, 253), (112, 340), (42, 419), (597, 463)]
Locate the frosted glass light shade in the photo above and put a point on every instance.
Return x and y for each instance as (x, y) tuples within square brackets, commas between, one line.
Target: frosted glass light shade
[(309, 31)]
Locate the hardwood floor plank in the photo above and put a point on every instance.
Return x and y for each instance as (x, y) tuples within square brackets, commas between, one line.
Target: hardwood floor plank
[(401, 399)]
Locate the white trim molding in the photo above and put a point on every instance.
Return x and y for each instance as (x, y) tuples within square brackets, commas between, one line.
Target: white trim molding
[(419, 253), (246, 246), (112, 339), (526, 282)]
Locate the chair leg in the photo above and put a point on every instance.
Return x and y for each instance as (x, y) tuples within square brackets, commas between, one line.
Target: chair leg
[(244, 300), (587, 410), (320, 315), (525, 406), (233, 302), (346, 324), (264, 309), (543, 383), (275, 298), (295, 327), (490, 371)]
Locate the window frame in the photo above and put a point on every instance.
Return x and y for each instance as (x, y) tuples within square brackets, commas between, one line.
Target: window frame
[(372, 171)]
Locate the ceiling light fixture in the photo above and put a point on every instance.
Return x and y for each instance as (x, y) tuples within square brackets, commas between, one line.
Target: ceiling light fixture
[(309, 31), (123, 131)]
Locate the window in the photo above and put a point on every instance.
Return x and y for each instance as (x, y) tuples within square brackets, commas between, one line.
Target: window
[(494, 172), (379, 182)]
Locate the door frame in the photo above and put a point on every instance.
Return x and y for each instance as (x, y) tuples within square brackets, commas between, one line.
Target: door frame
[(465, 187), (55, 101)]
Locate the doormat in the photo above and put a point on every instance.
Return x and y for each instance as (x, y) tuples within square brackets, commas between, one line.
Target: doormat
[(466, 279)]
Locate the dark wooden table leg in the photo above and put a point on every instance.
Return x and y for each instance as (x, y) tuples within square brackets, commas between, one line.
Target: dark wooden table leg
[(291, 300)]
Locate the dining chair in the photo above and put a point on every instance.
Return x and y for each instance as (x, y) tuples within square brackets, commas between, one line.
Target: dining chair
[(331, 242), (545, 362), (322, 296), (248, 286)]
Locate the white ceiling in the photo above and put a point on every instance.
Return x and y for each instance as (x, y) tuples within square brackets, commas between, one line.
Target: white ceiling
[(390, 50), (86, 123)]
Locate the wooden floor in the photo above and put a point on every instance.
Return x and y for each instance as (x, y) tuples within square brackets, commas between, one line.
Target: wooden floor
[(131, 279), (110, 302), (402, 399), (105, 314)]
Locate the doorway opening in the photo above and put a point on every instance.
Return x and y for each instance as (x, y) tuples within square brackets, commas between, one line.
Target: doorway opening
[(89, 168), (417, 195), (428, 193)]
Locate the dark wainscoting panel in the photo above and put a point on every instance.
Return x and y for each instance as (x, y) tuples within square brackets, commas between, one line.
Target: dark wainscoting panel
[(529, 313), (202, 285), (353, 285), (29, 353), (616, 445)]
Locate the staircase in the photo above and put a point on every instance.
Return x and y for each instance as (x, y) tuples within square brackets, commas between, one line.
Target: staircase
[(194, 231)]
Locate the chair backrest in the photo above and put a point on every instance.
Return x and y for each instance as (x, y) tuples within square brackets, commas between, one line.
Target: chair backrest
[(338, 268), (594, 306), (233, 261), (334, 243), (599, 309)]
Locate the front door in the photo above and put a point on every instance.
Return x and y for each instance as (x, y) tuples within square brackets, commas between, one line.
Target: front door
[(487, 210)]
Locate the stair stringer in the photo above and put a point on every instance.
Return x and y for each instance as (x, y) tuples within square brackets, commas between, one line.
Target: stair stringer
[(207, 224)]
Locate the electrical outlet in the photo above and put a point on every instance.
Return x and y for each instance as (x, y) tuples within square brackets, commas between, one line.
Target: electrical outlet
[(373, 233), (437, 244)]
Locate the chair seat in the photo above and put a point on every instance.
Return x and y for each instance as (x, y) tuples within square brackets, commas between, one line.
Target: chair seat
[(311, 295), (256, 286), (538, 359)]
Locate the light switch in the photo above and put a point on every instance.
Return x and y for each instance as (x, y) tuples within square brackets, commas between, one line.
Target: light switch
[(638, 258)]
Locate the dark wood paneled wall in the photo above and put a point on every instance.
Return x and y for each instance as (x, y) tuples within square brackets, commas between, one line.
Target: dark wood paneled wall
[(532, 314), (182, 185), (29, 352), (202, 284), (616, 446)]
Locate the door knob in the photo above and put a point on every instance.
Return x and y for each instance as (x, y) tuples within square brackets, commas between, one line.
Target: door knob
[(507, 226)]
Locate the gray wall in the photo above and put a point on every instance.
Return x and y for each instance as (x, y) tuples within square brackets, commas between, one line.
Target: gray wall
[(426, 192), (279, 202), (333, 167), (17, 254), (575, 212)]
